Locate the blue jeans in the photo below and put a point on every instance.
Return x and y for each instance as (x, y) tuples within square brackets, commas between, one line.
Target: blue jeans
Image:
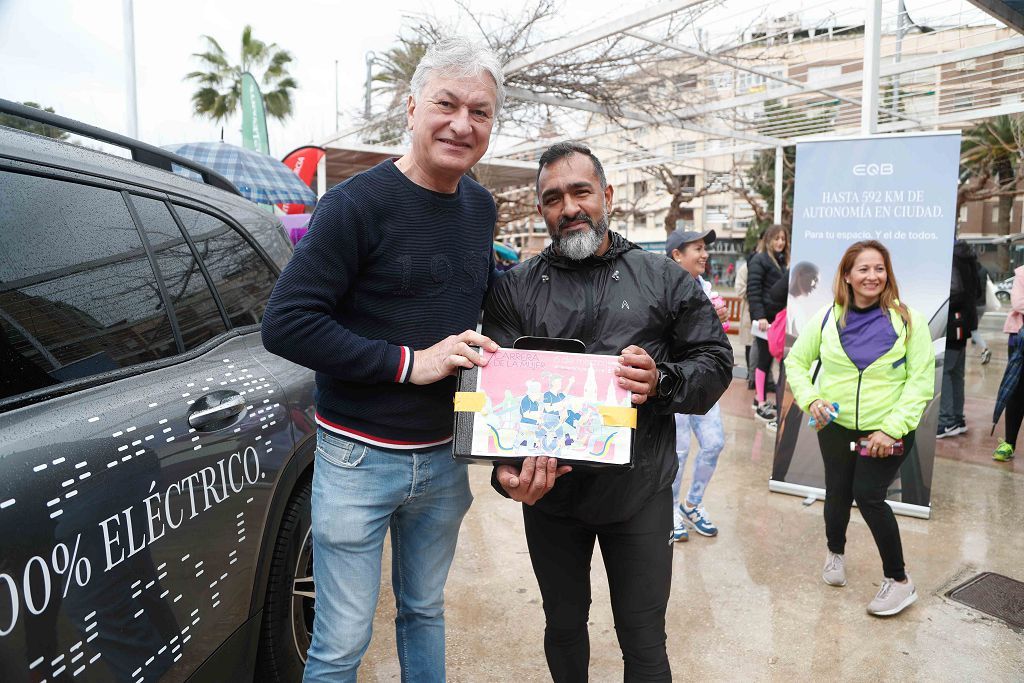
[(710, 441), (359, 492)]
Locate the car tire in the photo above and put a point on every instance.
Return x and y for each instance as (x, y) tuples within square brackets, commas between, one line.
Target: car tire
[(288, 608), (1003, 297)]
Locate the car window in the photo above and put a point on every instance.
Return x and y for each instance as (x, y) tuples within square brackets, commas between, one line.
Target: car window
[(242, 278), (196, 310), (78, 295)]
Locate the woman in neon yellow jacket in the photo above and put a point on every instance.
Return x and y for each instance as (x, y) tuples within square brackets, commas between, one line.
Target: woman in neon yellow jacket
[(878, 365)]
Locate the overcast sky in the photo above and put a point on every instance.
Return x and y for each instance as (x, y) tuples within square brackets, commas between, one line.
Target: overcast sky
[(69, 55)]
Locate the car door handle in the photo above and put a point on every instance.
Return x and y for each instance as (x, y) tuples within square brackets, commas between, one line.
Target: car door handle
[(216, 408)]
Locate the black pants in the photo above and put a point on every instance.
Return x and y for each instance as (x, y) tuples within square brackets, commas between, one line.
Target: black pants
[(764, 357), (851, 477), (638, 558), (1014, 409)]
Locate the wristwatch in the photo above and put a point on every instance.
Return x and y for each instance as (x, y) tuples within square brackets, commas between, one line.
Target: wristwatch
[(667, 384)]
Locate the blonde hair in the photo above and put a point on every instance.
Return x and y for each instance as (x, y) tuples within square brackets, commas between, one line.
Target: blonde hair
[(767, 238), (889, 299)]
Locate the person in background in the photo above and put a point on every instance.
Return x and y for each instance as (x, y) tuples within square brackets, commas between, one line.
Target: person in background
[(878, 364), (1015, 403), (765, 269), (689, 250), (963, 317), (746, 338), (981, 305)]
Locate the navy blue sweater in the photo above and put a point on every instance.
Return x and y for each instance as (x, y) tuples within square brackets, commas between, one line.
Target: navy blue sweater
[(387, 267)]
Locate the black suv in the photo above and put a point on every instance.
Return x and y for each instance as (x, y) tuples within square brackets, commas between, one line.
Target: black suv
[(155, 459)]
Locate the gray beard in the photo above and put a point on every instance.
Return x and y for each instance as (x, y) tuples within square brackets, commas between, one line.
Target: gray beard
[(581, 244)]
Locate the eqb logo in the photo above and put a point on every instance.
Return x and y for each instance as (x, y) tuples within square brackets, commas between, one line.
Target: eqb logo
[(873, 169)]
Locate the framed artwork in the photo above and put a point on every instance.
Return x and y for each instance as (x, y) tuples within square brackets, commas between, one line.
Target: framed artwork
[(527, 403)]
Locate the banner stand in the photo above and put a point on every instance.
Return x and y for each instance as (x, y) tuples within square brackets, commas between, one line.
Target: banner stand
[(905, 509)]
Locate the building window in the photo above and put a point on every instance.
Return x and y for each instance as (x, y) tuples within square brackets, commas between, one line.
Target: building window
[(687, 182), (995, 214), (716, 214), (639, 189), (1013, 62), (965, 65), (683, 147), (963, 101), (823, 73)]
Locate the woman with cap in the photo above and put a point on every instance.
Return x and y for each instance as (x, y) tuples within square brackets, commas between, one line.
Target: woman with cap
[(766, 268), (689, 250)]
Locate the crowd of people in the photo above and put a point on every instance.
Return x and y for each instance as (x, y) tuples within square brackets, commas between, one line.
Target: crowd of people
[(386, 337)]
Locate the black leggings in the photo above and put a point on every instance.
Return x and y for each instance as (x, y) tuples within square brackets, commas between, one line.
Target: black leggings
[(764, 357), (638, 558), (1014, 410), (851, 477)]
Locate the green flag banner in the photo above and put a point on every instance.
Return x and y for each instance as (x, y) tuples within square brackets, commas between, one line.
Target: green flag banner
[(254, 116)]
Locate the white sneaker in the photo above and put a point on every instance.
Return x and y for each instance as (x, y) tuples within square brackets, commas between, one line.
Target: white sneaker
[(893, 597), (834, 573)]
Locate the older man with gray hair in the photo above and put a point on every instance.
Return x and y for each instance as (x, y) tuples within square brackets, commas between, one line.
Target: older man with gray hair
[(381, 299)]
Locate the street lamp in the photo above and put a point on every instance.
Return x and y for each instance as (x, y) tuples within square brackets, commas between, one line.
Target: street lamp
[(370, 59)]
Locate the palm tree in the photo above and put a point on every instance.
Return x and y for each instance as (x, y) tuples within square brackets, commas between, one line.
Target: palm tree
[(220, 85), (994, 149), (391, 78)]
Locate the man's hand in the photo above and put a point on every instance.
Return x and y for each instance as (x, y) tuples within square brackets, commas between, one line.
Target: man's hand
[(535, 478), (637, 373), (446, 356), (880, 444)]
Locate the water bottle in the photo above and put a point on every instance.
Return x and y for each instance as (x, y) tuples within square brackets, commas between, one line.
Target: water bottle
[(832, 414), (718, 302), (862, 448)]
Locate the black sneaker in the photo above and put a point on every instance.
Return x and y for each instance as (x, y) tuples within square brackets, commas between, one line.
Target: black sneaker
[(765, 413), (947, 430)]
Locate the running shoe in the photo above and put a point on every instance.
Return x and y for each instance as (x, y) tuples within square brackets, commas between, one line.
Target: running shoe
[(947, 430), (986, 356), (765, 413), (834, 572), (679, 532), (1003, 452), (893, 597), (698, 519)]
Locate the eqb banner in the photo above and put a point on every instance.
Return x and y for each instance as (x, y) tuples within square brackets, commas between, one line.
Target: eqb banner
[(901, 191)]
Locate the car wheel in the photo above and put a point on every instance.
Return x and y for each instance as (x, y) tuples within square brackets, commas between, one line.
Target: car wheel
[(1004, 297), (291, 595)]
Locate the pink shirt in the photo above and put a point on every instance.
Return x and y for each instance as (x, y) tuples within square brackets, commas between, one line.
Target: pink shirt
[(1015, 319)]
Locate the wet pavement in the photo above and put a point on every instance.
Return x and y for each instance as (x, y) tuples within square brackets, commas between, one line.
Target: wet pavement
[(750, 604)]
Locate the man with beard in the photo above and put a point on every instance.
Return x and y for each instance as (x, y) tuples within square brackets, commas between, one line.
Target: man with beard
[(593, 285)]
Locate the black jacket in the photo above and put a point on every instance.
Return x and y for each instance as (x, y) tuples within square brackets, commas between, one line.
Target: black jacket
[(628, 296), (762, 273), (963, 292)]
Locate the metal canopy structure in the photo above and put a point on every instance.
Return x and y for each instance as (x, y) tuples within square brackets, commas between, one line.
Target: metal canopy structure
[(725, 78), (753, 80), (1011, 12)]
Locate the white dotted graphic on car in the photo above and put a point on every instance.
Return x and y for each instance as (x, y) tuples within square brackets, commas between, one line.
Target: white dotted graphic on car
[(258, 391)]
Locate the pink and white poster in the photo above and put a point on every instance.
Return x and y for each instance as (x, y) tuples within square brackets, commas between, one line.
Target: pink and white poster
[(566, 405)]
